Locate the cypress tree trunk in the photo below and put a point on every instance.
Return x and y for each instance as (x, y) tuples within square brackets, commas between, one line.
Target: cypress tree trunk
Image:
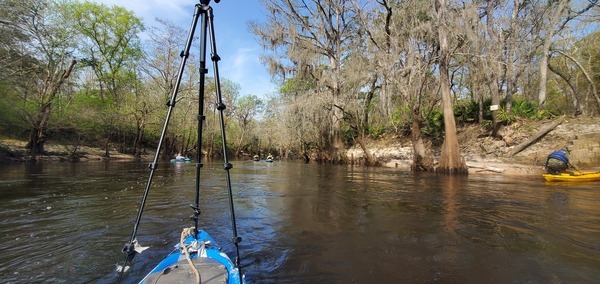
[(422, 157), (451, 161)]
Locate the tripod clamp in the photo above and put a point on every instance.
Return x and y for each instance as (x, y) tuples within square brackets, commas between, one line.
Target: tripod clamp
[(202, 12)]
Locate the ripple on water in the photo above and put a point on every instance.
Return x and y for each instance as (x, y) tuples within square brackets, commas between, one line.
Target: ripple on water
[(301, 223)]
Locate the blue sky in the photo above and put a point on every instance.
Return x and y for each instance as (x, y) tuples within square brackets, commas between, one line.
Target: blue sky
[(237, 47)]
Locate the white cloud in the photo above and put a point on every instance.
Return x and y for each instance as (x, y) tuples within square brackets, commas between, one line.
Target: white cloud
[(149, 10), (237, 48)]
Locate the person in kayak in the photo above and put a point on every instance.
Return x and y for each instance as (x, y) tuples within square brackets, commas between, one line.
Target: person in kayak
[(558, 162)]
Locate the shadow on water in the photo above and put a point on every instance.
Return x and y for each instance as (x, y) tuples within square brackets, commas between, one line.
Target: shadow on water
[(301, 223)]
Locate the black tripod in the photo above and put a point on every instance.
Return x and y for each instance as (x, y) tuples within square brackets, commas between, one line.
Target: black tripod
[(203, 12)]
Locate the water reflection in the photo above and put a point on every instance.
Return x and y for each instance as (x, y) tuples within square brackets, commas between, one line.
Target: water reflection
[(301, 223)]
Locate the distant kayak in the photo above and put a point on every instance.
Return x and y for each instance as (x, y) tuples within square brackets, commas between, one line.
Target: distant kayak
[(576, 176), (196, 258)]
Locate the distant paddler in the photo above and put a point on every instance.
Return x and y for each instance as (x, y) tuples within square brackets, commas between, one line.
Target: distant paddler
[(558, 162)]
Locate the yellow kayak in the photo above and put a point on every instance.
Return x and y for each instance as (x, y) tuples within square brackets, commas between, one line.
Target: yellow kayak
[(576, 176)]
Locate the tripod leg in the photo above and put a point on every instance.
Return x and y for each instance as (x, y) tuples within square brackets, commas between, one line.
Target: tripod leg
[(128, 249), (201, 118), (221, 107)]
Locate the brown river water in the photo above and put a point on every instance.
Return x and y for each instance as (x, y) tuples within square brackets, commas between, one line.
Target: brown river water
[(300, 223)]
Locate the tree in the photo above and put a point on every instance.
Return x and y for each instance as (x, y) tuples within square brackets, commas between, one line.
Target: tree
[(229, 94), (312, 39), (388, 72), (49, 45), (579, 82), (110, 43), (160, 72), (245, 110), (400, 47), (390, 62), (111, 47), (451, 160), (560, 14), (297, 121), (415, 45)]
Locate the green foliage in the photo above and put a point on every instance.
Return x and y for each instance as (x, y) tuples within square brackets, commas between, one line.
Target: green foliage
[(293, 86), (109, 42), (108, 98), (523, 108), (246, 108), (88, 108), (433, 126), (542, 114), (467, 111), (575, 74), (348, 136), (376, 130), (506, 117), (557, 103), (401, 118), (10, 124), (487, 124)]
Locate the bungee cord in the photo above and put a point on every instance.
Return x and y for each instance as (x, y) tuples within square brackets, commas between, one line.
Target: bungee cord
[(204, 13)]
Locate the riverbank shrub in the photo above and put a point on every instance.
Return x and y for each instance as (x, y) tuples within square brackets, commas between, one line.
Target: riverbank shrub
[(522, 109), (467, 111), (376, 131), (506, 117), (12, 124), (401, 119), (433, 126)]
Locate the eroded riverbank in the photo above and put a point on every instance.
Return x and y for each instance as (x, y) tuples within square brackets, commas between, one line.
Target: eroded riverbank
[(483, 154)]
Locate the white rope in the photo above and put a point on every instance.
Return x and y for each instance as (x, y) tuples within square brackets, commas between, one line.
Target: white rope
[(184, 234)]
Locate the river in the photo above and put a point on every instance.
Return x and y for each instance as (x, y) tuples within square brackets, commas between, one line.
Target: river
[(300, 223)]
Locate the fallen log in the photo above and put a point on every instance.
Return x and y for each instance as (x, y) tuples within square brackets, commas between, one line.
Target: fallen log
[(543, 131), (491, 169)]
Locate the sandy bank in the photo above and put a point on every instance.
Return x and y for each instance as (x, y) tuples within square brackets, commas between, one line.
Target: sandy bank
[(489, 168)]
